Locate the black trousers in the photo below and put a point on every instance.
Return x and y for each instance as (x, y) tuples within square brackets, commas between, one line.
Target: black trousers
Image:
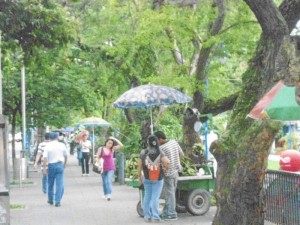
[(85, 163)]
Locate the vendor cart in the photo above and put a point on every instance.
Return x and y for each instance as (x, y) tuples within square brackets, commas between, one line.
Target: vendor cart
[(192, 193)]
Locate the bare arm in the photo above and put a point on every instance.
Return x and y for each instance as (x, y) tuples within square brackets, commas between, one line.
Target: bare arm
[(98, 156), (45, 161), (65, 162), (165, 162), (37, 158), (139, 169), (119, 143)]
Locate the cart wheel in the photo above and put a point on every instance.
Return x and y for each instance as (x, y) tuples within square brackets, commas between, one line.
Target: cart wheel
[(139, 209), (180, 207), (198, 202)]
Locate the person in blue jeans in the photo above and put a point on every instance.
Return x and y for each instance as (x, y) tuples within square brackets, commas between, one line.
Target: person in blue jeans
[(151, 166), (39, 156), (106, 153), (55, 154)]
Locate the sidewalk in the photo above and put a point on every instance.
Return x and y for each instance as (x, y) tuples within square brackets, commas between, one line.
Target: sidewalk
[(82, 203)]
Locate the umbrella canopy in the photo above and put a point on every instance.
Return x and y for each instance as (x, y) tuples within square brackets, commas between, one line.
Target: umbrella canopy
[(68, 129), (145, 96), (278, 104), (93, 122), (150, 95)]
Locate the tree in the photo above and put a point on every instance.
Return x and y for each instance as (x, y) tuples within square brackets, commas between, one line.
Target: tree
[(243, 151), (29, 29)]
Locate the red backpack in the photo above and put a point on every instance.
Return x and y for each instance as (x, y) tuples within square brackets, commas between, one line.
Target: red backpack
[(153, 167)]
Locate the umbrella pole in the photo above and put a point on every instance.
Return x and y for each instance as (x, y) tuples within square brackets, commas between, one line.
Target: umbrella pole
[(151, 122), (93, 144)]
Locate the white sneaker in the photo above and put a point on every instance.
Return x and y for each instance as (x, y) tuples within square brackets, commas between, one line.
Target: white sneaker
[(104, 197), (108, 198)]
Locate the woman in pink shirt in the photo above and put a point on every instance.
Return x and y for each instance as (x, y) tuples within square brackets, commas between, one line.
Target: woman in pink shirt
[(107, 154)]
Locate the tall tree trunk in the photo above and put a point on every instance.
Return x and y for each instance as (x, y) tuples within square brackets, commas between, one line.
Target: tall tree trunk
[(190, 136), (243, 151)]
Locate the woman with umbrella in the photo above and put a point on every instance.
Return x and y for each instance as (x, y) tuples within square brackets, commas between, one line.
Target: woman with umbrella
[(85, 146)]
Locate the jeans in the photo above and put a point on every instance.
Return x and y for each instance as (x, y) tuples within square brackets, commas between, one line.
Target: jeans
[(152, 191), (169, 190), (85, 162), (107, 177), (45, 183), (55, 175)]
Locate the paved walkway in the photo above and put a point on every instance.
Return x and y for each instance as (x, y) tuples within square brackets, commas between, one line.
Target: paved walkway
[(82, 203)]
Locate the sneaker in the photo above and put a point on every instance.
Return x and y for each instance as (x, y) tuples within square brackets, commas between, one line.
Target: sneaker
[(147, 220), (49, 202), (169, 218), (104, 197), (108, 197), (155, 220), (83, 175), (57, 204), (87, 175)]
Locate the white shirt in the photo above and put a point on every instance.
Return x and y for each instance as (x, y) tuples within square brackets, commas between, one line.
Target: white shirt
[(86, 146), (55, 151)]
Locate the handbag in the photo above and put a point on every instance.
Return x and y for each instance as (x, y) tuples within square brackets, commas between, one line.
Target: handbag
[(98, 166)]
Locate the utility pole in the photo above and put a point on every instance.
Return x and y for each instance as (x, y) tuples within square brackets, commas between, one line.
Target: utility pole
[(23, 111), (1, 89)]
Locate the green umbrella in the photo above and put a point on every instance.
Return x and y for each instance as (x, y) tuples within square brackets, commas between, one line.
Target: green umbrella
[(278, 104)]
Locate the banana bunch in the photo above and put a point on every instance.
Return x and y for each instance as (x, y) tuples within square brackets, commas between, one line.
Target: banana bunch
[(187, 168), (131, 166)]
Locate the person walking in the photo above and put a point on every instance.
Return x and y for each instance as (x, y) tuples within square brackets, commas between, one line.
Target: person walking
[(106, 153), (174, 152), (39, 158), (85, 146), (55, 155), (151, 166)]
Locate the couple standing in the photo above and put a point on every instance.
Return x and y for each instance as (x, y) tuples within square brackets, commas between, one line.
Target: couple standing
[(167, 153)]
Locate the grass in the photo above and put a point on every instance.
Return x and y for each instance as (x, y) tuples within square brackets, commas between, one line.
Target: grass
[(17, 206), (17, 182)]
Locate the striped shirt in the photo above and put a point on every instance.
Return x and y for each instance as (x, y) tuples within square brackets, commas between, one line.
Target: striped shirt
[(40, 150), (172, 150)]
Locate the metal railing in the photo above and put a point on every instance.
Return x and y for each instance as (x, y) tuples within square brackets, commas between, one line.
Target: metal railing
[(282, 197)]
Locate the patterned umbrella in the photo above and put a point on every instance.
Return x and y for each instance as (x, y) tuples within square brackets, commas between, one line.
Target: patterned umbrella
[(93, 122), (145, 96), (278, 104), (150, 95)]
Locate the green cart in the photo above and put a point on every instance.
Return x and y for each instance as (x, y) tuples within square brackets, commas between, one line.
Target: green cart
[(192, 193)]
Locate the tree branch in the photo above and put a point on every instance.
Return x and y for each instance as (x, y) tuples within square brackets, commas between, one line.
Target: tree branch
[(269, 17), (221, 105), (215, 29), (290, 10), (176, 52)]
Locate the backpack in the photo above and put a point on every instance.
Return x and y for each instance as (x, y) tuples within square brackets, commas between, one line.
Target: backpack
[(154, 167)]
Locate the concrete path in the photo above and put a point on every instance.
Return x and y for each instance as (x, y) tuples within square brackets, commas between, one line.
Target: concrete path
[(82, 203)]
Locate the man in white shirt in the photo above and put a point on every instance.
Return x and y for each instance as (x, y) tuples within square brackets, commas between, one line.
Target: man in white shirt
[(55, 154)]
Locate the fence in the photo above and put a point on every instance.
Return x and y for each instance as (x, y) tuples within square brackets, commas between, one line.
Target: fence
[(282, 197)]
